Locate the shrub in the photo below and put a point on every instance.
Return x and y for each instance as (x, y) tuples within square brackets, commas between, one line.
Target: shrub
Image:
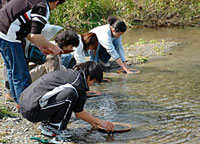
[(83, 15)]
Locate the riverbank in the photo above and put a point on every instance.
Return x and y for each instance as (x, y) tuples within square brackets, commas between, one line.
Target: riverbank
[(14, 130)]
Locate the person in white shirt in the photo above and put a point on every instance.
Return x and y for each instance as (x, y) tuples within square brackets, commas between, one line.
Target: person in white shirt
[(66, 40), (88, 42), (110, 43), (52, 62)]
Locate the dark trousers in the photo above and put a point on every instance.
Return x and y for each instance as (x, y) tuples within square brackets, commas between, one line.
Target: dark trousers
[(101, 54), (57, 113)]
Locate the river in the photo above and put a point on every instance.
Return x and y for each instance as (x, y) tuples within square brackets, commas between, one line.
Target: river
[(162, 103)]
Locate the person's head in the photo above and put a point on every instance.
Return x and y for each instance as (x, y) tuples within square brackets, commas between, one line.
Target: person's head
[(90, 41), (92, 70), (66, 40), (118, 27), (54, 3)]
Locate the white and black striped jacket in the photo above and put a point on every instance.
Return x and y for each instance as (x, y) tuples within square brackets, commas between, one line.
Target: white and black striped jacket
[(31, 96), (18, 18)]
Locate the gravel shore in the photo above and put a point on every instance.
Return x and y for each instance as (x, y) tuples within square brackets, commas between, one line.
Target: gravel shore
[(17, 130)]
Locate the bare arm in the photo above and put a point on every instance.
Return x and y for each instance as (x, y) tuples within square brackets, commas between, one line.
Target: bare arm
[(123, 65), (95, 121), (44, 45)]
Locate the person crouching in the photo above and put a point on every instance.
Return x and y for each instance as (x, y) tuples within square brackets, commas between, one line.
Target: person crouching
[(53, 97)]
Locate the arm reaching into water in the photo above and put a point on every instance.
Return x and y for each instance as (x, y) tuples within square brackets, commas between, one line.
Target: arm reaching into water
[(124, 66), (95, 121)]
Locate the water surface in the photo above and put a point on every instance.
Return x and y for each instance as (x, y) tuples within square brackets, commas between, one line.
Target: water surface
[(162, 103)]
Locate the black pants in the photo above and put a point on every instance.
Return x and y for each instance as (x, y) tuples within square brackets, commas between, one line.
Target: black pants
[(103, 54), (55, 114)]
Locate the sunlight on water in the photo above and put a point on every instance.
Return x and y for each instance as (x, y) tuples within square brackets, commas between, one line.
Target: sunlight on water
[(162, 103)]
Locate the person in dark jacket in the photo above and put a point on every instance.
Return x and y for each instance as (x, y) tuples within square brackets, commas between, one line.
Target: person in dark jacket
[(3, 2), (53, 97), (23, 19)]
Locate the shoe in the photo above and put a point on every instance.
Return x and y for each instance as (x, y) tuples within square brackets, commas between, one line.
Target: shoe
[(8, 97), (17, 106), (104, 64), (18, 110), (50, 130), (64, 135)]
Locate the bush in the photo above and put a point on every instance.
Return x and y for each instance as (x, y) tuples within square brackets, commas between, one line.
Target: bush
[(83, 15)]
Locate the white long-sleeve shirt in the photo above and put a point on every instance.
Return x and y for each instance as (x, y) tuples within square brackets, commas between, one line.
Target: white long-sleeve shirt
[(106, 39), (78, 53)]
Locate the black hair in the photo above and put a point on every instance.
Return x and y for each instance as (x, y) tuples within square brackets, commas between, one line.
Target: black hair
[(91, 69), (90, 41), (67, 37), (117, 24), (60, 1)]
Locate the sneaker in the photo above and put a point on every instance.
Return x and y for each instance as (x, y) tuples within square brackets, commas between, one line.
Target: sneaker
[(49, 130), (104, 64), (65, 134)]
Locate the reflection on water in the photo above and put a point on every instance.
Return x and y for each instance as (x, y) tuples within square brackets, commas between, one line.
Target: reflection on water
[(162, 103)]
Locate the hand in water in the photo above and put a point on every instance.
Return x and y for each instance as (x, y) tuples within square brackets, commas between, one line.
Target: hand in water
[(94, 126), (129, 72), (107, 125)]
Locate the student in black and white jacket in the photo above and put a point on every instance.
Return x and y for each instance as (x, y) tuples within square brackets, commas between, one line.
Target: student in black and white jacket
[(53, 97)]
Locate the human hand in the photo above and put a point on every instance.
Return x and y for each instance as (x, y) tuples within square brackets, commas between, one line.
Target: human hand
[(129, 71), (107, 125), (67, 51), (56, 50), (94, 126), (47, 51)]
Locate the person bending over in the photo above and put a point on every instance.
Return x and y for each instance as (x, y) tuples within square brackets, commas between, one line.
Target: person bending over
[(53, 97), (88, 42), (66, 40), (110, 40), (20, 19)]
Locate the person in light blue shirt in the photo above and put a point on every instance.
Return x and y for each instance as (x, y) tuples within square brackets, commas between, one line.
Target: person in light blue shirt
[(110, 43)]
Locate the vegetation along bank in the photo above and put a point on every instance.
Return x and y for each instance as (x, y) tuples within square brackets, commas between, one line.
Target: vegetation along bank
[(83, 15)]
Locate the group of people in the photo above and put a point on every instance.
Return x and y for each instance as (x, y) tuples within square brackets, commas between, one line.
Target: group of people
[(53, 87)]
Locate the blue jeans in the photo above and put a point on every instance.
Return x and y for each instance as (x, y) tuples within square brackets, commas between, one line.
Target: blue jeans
[(103, 55), (68, 61), (17, 68)]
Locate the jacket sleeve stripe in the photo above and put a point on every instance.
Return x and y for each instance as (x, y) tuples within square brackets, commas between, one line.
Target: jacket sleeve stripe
[(25, 14)]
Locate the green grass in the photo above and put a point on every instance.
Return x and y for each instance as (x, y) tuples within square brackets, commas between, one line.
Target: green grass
[(83, 15), (4, 111)]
